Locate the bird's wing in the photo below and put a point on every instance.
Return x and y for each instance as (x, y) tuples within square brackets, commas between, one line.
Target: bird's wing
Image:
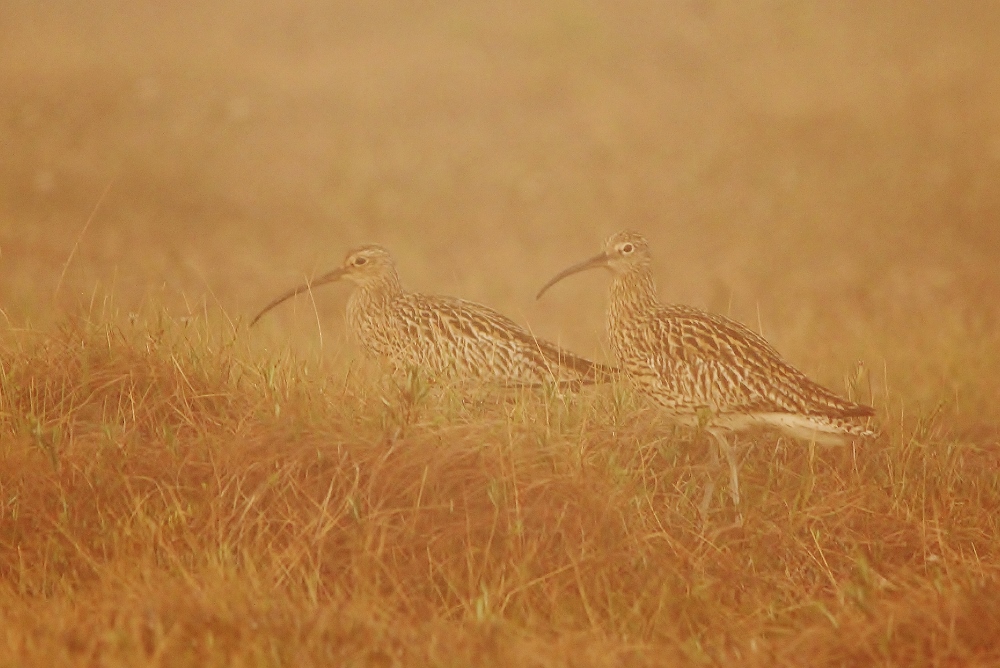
[(721, 364), (476, 341)]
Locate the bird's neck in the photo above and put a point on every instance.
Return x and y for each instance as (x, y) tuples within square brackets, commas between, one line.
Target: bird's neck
[(634, 289), (370, 303), (633, 297)]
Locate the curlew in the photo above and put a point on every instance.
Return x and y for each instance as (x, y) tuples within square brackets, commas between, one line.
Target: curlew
[(443, 336), (707, 370)]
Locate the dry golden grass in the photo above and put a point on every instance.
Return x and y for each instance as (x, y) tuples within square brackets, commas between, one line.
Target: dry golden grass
[(171, 497), (177, 490)]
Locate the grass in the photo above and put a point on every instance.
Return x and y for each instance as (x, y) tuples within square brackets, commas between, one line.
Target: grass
[(178, 490), (169, 496)]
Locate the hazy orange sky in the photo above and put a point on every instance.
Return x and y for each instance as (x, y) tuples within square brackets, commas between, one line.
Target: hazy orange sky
[(777, 154)]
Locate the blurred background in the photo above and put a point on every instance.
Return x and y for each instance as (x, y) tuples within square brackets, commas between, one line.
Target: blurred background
[(825, 172)]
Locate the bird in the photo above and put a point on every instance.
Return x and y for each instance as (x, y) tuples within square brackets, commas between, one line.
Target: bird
[(439, 336), (707, 370)]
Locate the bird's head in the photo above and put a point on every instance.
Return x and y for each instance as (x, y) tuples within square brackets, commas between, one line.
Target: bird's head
[(623, 252), (364, 266)]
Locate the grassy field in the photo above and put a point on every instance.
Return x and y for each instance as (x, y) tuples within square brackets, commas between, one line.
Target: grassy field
[(176, 489)]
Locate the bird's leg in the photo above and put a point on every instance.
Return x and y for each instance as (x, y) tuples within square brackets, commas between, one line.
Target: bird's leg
[(734, 470), (412, 388), (706, 497)]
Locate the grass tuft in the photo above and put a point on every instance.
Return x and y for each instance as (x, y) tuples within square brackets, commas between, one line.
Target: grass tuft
[(169, 495)]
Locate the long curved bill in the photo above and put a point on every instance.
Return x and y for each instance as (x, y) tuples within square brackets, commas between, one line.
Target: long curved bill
[(328, 277), (600, 260)]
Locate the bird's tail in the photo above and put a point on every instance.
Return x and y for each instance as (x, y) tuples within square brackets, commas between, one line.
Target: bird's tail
[(569, 367)]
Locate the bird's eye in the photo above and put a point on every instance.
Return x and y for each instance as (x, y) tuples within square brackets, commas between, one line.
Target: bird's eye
[(358, 261), (627, 248)]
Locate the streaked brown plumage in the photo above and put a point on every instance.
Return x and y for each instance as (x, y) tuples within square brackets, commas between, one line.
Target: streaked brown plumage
[(443, 336), (706, 369)]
